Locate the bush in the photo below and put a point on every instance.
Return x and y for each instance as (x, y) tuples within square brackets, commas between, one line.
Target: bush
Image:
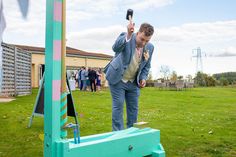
[(224, 81)]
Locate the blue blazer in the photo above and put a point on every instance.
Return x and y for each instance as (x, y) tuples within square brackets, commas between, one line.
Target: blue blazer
[(123, 55)]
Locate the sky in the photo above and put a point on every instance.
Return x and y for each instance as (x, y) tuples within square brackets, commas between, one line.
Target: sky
[(180, 26)]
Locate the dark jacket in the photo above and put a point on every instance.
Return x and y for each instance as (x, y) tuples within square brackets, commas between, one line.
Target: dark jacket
[(92, 75)]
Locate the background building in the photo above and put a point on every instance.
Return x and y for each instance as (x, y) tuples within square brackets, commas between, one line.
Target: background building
[(74, 60)]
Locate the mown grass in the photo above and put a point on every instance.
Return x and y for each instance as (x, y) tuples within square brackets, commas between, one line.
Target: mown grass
[(197, 122)]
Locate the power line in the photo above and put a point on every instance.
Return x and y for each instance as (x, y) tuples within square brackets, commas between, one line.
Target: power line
[(197, 53)]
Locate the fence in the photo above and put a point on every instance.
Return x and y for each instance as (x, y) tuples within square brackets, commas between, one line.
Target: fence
[(16, 71), (176, 85)]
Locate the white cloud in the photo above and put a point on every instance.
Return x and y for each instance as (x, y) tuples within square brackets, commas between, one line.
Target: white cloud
[(148, 4), (228, 52), (77, 11), (175, 46), (199, 32), (194, 34), (113, 6), (96, 39), (21, 30)]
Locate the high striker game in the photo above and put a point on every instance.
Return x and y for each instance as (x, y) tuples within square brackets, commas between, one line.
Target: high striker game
[(132, 142)]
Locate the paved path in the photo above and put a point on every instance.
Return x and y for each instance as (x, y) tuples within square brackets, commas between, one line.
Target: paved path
[(6, 99)]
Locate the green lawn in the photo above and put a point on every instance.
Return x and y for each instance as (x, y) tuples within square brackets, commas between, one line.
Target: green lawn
[(197, 122)]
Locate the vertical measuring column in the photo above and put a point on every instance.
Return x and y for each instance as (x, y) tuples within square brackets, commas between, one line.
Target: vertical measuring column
[(52, 95), (63, 76)]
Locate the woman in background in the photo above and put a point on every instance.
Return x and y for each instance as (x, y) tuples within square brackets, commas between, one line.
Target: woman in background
[(99, 76)]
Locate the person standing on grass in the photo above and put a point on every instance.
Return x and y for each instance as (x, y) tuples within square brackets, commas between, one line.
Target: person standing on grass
[(99, 78), (92, 78), (80, 82), (87, 80), (84, 75), (128, 71)]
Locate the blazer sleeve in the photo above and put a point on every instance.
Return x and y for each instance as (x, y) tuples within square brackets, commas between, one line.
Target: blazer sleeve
[(146, 68), (119, 44)]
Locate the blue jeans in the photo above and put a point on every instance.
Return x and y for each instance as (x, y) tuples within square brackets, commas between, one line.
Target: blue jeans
[(130, 93), (84, 84)]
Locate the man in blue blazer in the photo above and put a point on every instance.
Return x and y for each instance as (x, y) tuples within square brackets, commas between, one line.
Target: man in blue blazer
[(128, 71)]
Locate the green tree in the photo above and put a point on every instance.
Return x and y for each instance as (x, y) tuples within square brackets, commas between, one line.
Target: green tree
[(203, 79), (173, 77), (180, 77), (230, 76), (189, 78), (224, 81), (200, 80), (210, 81)]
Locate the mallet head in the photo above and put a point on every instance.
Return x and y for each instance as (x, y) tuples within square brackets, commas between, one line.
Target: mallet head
[(129, 14)]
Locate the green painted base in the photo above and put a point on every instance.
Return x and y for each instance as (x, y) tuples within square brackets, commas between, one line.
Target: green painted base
[(132, 142)]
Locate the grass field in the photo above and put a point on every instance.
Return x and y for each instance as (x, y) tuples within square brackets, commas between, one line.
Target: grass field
[(197, 122)]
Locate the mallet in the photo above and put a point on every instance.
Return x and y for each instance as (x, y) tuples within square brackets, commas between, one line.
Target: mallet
[(129, 15)]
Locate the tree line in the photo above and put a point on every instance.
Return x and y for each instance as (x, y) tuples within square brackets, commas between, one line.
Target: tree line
[(200, 79), (222, 79)]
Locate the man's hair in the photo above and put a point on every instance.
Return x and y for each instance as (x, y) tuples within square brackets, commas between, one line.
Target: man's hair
[(147, 29)]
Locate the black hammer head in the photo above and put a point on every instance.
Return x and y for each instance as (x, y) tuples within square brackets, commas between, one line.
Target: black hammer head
[(129, 13)]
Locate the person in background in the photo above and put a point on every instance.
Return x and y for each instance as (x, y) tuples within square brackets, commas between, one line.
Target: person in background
[(99, 78), (87, 80), (80, 82), (84, 75), (92, 78)]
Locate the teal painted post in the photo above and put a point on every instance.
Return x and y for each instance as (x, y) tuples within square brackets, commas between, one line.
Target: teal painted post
[(52, 93)]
